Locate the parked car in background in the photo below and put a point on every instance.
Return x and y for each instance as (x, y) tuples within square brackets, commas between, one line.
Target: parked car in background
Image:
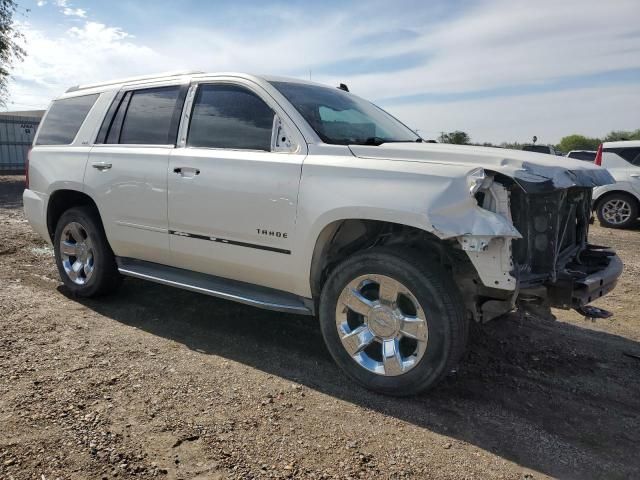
[(618, 205), (586, 155), (548, 149)]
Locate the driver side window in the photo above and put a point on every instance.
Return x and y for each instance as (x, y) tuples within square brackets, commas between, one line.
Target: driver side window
[(346, 123), (230, 116)]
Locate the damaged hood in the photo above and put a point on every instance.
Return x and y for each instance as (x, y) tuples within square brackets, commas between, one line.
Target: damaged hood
[(534, 172)]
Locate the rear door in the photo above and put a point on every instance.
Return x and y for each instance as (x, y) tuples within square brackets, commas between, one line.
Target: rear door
[(233, 185), (624, 164), (632, 155), (127, 169)]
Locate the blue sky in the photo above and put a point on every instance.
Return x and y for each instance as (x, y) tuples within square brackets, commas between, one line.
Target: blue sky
[(500, 70)]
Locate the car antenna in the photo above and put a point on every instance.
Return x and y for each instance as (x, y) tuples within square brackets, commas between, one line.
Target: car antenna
[(343, 86)]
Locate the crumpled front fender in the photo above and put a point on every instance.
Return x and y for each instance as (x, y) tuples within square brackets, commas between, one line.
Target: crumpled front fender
[(454, 213), (485, 235)]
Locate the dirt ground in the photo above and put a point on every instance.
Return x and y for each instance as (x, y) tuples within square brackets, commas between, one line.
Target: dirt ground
[(158, 382)]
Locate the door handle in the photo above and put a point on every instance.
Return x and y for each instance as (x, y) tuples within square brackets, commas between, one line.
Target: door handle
[(185, 171), (101, 165), (635, 175)]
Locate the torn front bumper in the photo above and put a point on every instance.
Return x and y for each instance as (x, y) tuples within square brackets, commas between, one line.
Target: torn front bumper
[(586, 279)]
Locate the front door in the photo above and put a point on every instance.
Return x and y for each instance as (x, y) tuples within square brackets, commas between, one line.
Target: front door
[(232, 194)]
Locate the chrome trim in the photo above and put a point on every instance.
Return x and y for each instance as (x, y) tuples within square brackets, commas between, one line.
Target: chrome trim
[(156, 76), (226, 241), (371, 330), (141, 227)]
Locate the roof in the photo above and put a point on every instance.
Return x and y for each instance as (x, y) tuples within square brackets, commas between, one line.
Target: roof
[(274, 78), (23, 113), (159, 77), (622, 144)]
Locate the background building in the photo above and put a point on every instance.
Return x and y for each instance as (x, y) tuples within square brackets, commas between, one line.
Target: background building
[(17, 130)]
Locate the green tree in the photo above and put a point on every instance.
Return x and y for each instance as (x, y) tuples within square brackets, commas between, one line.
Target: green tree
[(617, 135), (457, 137), (578, 142), (10, 49), (512, 145)]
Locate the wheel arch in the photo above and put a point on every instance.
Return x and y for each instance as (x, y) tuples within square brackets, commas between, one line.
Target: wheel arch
[(620, 191), (62, 200), (343, 237)]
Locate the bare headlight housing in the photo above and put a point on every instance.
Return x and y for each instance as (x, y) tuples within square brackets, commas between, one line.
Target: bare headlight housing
[(478, 180)]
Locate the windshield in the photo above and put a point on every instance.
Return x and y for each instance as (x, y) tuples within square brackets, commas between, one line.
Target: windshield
[(341, 118)]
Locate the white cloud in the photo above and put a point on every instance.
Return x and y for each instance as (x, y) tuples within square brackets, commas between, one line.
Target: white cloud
[(89, 53), (41, 3), (74, 12), (99, 36), (550, 116), (506, 43)]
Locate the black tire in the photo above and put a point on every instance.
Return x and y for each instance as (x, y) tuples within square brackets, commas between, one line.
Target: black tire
[(104, 277), (618, 196), (436, 293)]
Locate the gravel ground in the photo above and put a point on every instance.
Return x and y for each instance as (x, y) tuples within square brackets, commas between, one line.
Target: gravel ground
[(161, 383)]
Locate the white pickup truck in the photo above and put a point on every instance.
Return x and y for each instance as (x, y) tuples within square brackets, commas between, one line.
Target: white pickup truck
[(303, 198)]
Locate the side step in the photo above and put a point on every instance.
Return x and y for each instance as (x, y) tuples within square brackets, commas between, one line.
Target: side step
[(241, 292)]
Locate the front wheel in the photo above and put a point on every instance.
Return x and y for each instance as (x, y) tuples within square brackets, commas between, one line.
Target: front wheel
[(393, 321)]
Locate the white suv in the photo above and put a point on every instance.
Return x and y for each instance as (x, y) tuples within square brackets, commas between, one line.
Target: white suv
[(618, 205), (302, 198)]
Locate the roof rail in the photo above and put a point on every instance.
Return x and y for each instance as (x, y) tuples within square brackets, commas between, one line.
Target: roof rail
[(133, 79)]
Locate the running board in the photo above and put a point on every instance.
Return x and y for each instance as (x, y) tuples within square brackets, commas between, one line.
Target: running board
[(233, 290)]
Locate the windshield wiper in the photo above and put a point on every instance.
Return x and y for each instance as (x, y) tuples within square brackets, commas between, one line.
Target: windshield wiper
[(375, 141), (379, 141)]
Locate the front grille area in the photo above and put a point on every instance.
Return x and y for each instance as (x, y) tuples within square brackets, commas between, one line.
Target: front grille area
[(554, 228)]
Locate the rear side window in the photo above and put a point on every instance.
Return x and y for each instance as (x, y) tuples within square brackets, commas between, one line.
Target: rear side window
[(148, 118), (631, 155), (64, 119), (229, 116), (145, 117)]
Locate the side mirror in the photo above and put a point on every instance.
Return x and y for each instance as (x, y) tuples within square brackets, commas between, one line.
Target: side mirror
[(280, 139)]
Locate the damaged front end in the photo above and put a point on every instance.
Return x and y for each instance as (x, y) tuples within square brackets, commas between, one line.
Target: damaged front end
[(551, 263)]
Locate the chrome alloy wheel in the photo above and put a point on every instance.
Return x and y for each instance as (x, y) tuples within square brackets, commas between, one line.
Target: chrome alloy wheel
[(76, 251), (616, 211), (381, 325)]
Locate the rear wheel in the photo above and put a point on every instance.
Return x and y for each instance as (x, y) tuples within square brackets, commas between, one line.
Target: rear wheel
[(393, 321), (618, 210), (84, 258)]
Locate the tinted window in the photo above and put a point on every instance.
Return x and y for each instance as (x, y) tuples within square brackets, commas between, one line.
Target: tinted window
[(536, 148), (148, 118), (64, 119), (631, 155), (339, 117), (588, 156), (116, 123), (228, 116)]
